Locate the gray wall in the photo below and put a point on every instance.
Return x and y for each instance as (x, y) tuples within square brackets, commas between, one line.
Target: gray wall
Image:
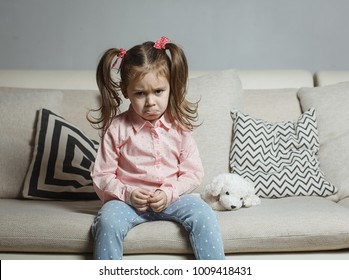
[(216, 34)]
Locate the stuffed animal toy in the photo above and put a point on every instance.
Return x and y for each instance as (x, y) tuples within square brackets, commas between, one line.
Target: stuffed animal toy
[(230, 192)]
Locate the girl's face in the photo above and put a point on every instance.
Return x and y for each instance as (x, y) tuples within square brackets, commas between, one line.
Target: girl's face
[(149, 95)]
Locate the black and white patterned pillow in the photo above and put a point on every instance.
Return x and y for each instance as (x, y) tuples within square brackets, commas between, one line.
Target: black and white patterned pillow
[(61, 163), (279, 158)]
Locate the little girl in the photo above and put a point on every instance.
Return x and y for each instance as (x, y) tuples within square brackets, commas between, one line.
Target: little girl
[(148, 162)]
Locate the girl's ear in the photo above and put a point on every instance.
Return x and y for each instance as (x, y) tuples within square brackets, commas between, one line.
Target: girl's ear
[(123, 88)]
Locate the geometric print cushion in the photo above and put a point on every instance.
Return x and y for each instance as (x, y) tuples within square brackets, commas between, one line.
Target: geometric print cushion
[(62, 160), (279, 158)]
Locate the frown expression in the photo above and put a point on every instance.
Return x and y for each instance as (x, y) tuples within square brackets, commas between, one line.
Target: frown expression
[(149, 95)]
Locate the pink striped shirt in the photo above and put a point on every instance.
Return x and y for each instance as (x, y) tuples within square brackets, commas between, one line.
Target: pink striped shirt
[(134, 153)]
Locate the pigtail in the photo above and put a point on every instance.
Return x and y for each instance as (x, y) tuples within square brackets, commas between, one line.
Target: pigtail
[(109, 89), (181, 109)]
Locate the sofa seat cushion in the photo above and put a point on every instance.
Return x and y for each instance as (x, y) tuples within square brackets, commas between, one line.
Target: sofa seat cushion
[(46, 226), (64, 227), (344, 202), (288, 224), (306, 223)]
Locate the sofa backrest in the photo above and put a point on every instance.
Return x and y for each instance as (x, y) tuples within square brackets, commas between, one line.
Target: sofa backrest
[(72, 93), (330, 77), (85, 79)]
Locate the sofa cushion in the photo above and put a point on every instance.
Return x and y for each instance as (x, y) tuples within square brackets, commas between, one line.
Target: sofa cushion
[(279, 158), (18, 109), (273, 105), (47, 226), (307, 223), (331, 104), (213, 136), (62, 161), (344, 202), (287, 224)]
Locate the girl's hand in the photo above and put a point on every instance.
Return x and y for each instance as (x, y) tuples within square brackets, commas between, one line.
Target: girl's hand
[(158, 201), (139, 199)]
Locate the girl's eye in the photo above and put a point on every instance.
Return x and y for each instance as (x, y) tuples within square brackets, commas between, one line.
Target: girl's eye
[(139, 94), (227, 193), (241, 198), (158, 91)]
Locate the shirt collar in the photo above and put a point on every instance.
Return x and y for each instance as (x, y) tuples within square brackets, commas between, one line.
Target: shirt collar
[(138, 122)]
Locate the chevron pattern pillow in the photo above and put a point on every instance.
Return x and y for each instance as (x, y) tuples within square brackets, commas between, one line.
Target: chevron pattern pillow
[(62, 160), (279, 158)]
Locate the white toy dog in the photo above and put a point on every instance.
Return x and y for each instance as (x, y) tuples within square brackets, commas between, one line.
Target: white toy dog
[(230, 192)]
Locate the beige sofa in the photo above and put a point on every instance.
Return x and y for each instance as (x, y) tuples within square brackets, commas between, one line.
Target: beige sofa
[(47, 225)]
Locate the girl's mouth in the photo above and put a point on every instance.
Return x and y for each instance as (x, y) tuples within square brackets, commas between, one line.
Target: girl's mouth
[(151, 113)]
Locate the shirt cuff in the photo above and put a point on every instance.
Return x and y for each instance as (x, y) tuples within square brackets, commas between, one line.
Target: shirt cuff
[(171, 193), (129, 190)]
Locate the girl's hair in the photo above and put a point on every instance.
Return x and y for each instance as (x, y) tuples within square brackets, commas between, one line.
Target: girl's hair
[(135, 63)]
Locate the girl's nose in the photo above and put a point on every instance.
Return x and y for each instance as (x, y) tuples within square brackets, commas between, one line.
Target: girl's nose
[(149, 101)]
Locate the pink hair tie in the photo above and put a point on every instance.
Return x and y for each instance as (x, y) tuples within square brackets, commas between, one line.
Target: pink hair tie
[(121, 54), (161, 43)]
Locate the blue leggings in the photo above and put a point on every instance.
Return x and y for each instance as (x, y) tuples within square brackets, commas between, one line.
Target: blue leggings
[(116, 218)]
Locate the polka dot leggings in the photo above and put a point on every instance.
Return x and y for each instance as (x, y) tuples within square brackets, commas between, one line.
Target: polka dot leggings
[(116, 218)]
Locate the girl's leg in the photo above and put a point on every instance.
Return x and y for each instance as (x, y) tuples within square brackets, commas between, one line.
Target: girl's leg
[(201, 222), (110, 227)]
